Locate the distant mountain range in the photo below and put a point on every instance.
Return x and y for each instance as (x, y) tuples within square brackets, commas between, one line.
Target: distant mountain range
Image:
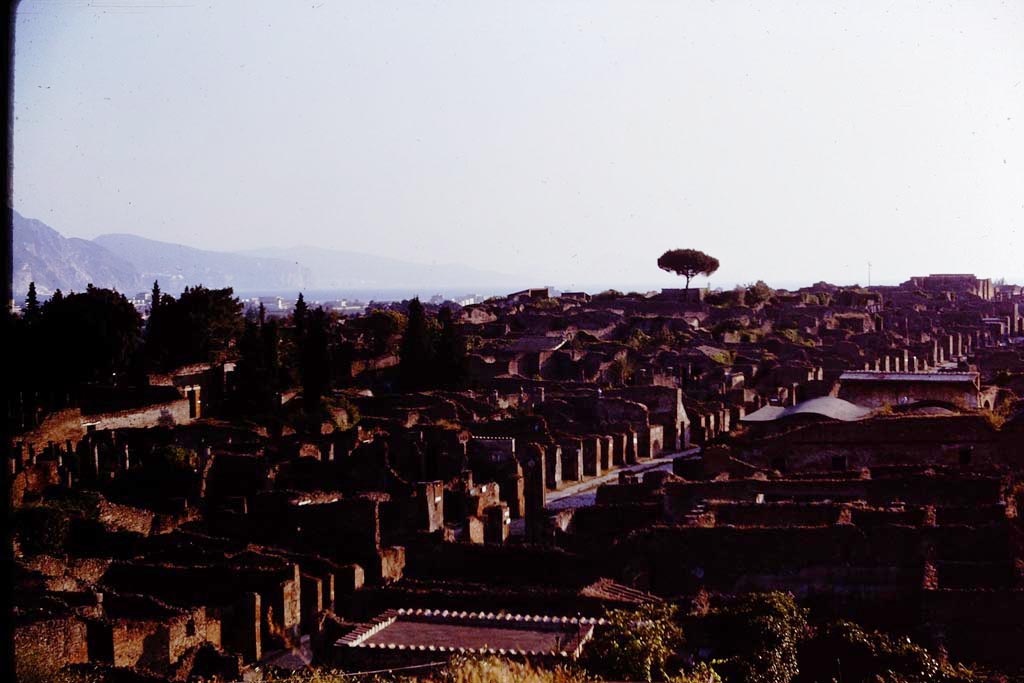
[(130, 264)]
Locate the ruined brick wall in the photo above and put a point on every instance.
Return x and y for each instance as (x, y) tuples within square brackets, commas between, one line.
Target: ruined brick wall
[(913, 490), (141, 642), (621, 411), (67, 424), (981, 625), (842, 558), (665, 406), (498, 564), (884, 441), (776, 514), (877, 394), (44, 645), (608, 522), (126, 517), (621, 494)]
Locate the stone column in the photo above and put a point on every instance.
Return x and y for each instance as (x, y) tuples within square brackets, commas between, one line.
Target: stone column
[(535, 518), (94, 464), (243, 630)]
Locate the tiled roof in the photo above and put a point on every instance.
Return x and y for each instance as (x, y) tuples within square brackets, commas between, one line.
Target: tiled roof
[(606, 589), (445, 631)]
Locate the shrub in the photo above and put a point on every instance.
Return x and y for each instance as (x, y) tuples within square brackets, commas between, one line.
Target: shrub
[(637, 340), (843, 650), (465, 670), (176, 458), (635, 645), (762, 632), (497, 670), (41, 529), (729, 297), (758, 292), (729, 325)]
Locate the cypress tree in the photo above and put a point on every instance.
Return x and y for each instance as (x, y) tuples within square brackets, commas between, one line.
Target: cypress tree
[(315, 365), (154, 303), (416, 353), (299, 316), (31, 314), (450, 366)]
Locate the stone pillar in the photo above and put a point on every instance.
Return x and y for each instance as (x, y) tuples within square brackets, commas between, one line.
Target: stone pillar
[(328, 590), (619, 450), (591, 457), (311, 599), (242, 631), (553, 467), (496, 523), (606, 452), (473, 530), (535, 518), (512, 490), (94, 463), (572, 461), (430, 515)]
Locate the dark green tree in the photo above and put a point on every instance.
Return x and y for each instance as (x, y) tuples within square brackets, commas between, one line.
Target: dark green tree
[(450, 365), (199, 326), (258, 378), (32, 309), (154, 299), (315, 369), (106, 330), (416, 354), (379, 327), (299, 316)]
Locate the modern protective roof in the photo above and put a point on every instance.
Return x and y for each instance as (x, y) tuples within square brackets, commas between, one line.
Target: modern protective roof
[(537, 343), (876, 376), (825, 406)]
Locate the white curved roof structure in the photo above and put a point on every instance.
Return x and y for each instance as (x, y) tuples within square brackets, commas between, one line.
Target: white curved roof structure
[(824, 406)]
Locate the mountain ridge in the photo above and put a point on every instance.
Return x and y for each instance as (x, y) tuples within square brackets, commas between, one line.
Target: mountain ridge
[(130, 263)]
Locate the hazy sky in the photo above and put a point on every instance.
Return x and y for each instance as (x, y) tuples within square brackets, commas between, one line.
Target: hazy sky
[(574, 141)]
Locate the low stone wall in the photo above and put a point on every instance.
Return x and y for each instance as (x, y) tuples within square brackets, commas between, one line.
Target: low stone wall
[(498, 563), (777, 514)]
